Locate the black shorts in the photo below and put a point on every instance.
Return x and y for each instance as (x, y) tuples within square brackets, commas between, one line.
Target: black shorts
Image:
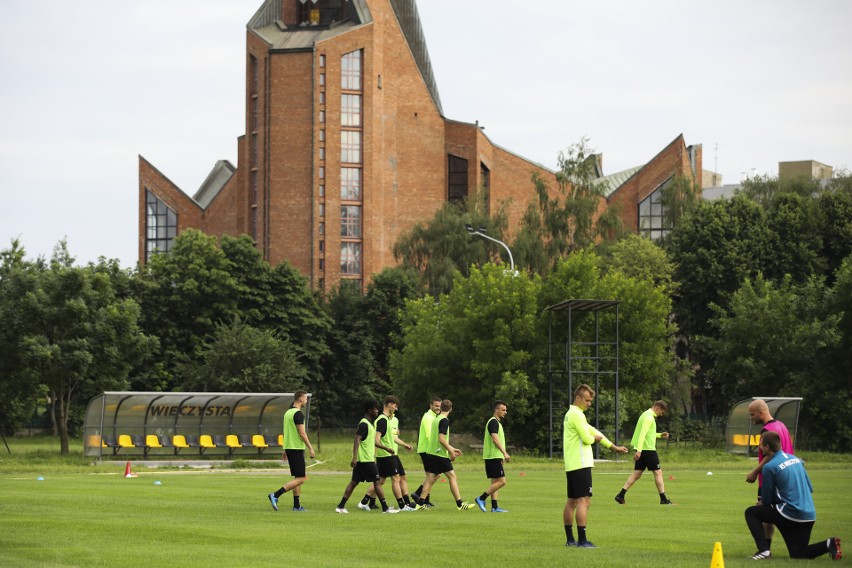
[(579, 483), (399, 469), (296, 459), (439, 465), (648, 460), (424, 459), (494, 468), (387, 466), (365, 471)]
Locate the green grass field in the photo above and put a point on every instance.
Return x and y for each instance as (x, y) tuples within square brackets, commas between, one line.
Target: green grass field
[(90, 515)]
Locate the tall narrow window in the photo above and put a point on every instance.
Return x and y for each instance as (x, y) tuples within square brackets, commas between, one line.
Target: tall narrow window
[(652, 215), (350, 71), (350, 258), (161, 225), (485, 175), (350, 221), (457, 178), (350, 184), (350, 147), (350, 110)]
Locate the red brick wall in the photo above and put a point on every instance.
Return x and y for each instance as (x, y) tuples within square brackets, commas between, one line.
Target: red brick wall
[(188, 212)]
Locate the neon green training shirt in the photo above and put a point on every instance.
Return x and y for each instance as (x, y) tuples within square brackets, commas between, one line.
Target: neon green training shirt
[(645, 436), (425, 431), (577, 439)]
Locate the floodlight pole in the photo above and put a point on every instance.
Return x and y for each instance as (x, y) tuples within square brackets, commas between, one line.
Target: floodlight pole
[(481, 233)]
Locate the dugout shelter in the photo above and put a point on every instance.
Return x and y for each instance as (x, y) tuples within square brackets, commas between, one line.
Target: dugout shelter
[(189, 424), (742, 436)]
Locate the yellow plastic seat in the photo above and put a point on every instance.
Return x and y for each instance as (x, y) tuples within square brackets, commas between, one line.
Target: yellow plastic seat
[(179, 441), (152, 441), (259, 442), (125, 441), (205, 442)]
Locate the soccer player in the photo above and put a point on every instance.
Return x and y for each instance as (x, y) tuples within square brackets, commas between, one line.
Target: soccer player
[(577, 439), (388, 463), (494, 453), (786, 503), (295, 442), (423, 444), (441, 456), (758, 411), (644, 443), (364, 459)]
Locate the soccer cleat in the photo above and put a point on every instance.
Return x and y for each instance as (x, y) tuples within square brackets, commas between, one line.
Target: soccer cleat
[(374, 507), (571, 543), (274, 500), (498, 510), (299, 509), (667, 502), (421, 508), (586, 544), (480, 503), (429, 504), (765, 555), (391, 511), (834, 548), (341, 510), (363, 506), (408, 508), (464, 506), (620, 500)]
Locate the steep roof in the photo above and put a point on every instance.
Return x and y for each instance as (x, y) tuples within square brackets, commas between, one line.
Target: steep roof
[(267, 24), (216, 180)]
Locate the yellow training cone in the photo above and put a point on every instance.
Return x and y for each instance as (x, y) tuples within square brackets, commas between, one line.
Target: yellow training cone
[(718, 561)]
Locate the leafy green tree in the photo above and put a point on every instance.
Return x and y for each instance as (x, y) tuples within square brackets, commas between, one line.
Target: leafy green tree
[(640, 258), (566, 218), (241, 358), (836, 231), (473, 345), (679, 198), (77, 338), (788, 339), (184, 294), (20, 389), (441, 249), (352, 374), (645, 330), (279, 299)]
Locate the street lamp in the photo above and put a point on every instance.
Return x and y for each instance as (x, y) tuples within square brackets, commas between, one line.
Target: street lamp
[(481, 233)]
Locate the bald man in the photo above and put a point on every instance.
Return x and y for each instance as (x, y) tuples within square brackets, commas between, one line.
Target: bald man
[(759, 413)]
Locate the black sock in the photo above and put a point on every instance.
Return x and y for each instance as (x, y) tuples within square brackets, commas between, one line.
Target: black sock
[(418, 491), (365, 500), (569, 533), (483, 497), (400, 502), (406, 500), (581, 534), (280, 492), (372, 502), (296, 502), (493, 504), (622, 493), (342, 504), (384, 505), (459, 502), (768, 544), (663, 497)]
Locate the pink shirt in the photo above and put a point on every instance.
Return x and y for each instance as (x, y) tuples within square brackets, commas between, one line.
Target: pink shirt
[(786, 443)]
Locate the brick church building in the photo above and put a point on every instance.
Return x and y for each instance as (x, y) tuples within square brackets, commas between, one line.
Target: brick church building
[(346, 147)]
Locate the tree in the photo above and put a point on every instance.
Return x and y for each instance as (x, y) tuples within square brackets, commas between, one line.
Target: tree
[(646, 332), (20, 389), (475, 344), (184, 294), (569, 218), (77, 338), (241, 358), (441, 249), (640, 258)]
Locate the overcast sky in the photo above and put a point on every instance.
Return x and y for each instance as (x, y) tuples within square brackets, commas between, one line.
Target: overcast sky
[(89, 86)]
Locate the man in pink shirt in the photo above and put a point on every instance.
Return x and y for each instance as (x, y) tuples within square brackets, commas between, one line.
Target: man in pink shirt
[(759, 413)]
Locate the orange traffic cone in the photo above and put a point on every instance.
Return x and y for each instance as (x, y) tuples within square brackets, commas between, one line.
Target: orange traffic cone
[(717, 561), (127, 472)]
